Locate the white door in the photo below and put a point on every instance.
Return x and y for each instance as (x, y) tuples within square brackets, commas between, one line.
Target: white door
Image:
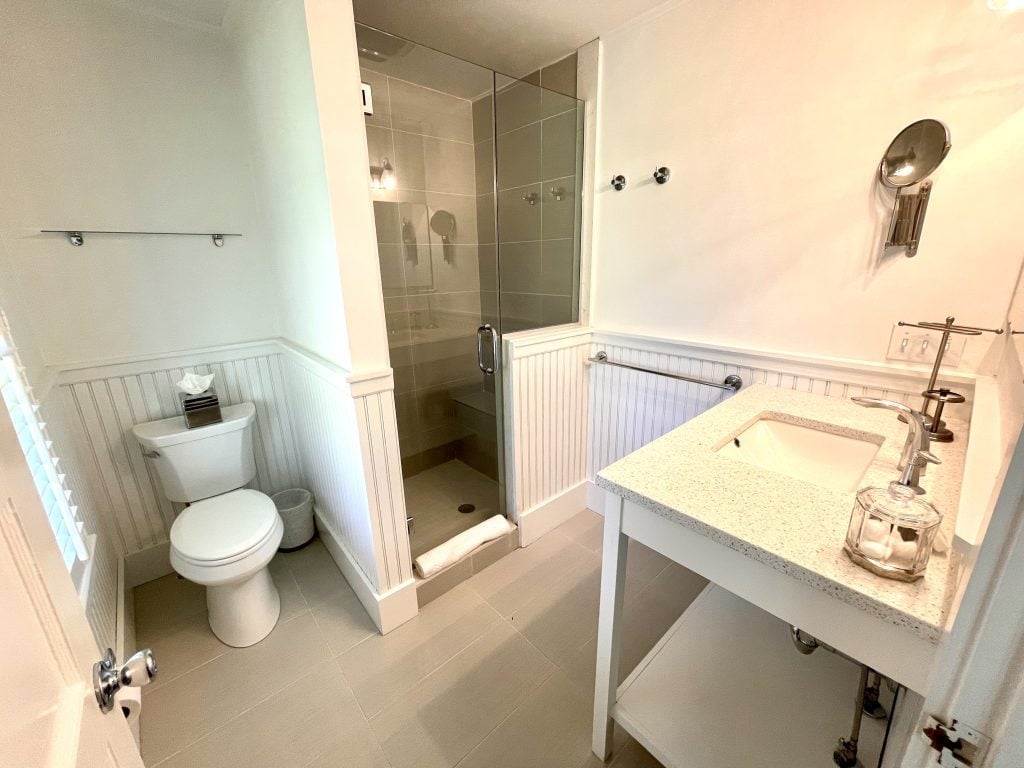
[(48, 712)]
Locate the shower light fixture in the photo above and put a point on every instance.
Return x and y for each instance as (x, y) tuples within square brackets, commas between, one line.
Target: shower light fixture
[(382, 176), (1006, 5)]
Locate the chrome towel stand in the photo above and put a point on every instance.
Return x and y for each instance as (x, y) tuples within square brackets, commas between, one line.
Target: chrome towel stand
[(731, 382)]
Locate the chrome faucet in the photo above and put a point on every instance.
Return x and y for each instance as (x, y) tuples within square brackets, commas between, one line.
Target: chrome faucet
[(915, 450)]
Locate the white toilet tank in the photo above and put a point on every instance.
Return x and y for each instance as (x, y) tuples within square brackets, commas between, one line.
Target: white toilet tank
[(195, 464)]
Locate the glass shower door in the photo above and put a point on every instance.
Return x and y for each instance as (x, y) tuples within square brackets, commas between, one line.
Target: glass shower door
[(431, 179), (475, 179)]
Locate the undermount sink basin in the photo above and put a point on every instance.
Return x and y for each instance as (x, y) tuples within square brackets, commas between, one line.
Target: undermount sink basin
[(813, 455)]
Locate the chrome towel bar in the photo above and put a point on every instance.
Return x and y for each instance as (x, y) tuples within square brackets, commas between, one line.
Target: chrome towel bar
[(732, 381)]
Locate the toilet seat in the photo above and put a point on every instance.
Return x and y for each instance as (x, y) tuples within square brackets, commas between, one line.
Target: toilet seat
[(224, 529)]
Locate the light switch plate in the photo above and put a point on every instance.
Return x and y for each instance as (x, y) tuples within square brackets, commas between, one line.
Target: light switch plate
[(918, 345), (966, 746)]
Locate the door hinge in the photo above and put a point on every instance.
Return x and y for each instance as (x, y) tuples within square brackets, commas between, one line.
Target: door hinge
[(959, 745)]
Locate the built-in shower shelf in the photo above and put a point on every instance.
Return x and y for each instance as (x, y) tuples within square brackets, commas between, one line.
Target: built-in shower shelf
[(726, 688)]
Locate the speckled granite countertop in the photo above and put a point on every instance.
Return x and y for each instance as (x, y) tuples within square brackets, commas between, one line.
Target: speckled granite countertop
[(791, 525)]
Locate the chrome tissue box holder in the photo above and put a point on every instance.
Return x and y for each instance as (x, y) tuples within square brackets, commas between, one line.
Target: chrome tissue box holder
[(202, 409)]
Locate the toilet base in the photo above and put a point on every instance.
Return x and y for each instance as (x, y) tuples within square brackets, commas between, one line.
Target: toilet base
[(244, 612)]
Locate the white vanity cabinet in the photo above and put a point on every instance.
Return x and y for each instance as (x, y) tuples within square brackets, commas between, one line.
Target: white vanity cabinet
[(725, 686)]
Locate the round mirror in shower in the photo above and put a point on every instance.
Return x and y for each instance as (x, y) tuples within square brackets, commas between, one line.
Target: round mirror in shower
[(915, 153)]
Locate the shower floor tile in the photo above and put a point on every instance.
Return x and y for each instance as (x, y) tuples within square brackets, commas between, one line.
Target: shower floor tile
[(432, 499)]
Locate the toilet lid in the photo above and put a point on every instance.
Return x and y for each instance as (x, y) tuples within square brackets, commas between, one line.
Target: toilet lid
[(223, 526)]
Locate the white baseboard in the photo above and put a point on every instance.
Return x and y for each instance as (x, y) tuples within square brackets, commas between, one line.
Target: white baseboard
[(147, 564), (124, 639), (545, 517), (389, 610), (595, 498)]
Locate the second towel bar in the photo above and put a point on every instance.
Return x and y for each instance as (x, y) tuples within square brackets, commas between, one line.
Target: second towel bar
[(732, 381)]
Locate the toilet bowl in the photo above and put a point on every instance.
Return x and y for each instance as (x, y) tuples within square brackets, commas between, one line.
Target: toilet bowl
[(228, 534), (226, 543)]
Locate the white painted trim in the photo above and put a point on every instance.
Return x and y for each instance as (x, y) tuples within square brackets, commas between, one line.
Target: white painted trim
[(862, 372), (311, 361), (74, 373), (122, 632), (595, 498), (371, 383), (537, 342), (388, 610), (147, 564), (545, 517)]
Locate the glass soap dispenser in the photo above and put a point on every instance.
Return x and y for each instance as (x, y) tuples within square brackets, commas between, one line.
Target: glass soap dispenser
[(892, 531)]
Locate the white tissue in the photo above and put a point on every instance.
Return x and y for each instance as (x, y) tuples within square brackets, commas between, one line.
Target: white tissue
[(194, 383)]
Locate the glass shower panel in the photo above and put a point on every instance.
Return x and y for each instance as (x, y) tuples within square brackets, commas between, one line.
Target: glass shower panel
[(431, 178), (539, 151)]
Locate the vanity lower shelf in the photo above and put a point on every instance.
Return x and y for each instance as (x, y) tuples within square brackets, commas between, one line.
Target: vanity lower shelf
[(725, 688)]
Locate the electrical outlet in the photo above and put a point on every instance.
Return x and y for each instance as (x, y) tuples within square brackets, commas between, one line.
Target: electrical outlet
[(918, 345), (959, 745)]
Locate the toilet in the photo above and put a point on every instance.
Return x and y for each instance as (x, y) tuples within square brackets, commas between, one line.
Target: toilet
[(228, 534)]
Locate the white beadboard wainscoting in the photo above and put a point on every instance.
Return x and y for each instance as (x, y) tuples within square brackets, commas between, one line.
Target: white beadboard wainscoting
[(348, 441), (547, 393), (103, 402), (317, 427), (551, 389)]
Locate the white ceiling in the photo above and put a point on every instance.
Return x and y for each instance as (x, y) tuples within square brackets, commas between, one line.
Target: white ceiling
[(515, 37)]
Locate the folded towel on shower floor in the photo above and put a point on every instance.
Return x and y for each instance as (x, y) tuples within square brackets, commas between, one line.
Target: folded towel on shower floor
[(457, 547)]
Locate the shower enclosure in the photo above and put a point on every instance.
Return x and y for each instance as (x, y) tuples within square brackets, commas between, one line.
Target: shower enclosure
[(475, 178)]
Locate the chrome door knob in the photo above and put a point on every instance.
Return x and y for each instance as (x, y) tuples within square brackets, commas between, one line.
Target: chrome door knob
[(108, 678)]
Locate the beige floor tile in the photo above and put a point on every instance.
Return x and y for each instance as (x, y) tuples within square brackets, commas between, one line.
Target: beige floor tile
[(452, 710), (292, 601), (643, 565), (629, 755), (561, 620), (384, 667), (529, 572), (315, 573), (444, 581), (164, 602), (178, 651), (314, 718), (648, 615), (585, 528), (343, 622), (552, 727), (184, 710)]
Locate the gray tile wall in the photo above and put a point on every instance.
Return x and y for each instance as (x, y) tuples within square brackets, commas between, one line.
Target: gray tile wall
[(539, 130), (431, 293)]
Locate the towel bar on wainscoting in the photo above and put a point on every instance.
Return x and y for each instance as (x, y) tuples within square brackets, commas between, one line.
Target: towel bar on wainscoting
[(732, 381)]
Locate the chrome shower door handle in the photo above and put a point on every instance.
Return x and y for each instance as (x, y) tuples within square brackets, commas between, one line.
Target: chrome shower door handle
[(486, 328)]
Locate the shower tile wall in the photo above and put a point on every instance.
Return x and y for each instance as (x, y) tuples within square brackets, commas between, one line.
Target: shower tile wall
[(431, 296), (539, 127)]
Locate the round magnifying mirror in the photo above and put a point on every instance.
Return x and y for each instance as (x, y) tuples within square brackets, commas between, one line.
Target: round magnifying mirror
[(915, 153)]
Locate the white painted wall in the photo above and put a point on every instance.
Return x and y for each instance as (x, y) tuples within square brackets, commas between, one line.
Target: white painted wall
[(271, 49), (332, 43), (117, 120), (773, 117)]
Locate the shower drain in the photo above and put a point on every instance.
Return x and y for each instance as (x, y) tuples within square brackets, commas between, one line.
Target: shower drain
[(467, 508)]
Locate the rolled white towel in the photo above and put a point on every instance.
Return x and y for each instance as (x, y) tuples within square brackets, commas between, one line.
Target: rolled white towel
[(440, 557)]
